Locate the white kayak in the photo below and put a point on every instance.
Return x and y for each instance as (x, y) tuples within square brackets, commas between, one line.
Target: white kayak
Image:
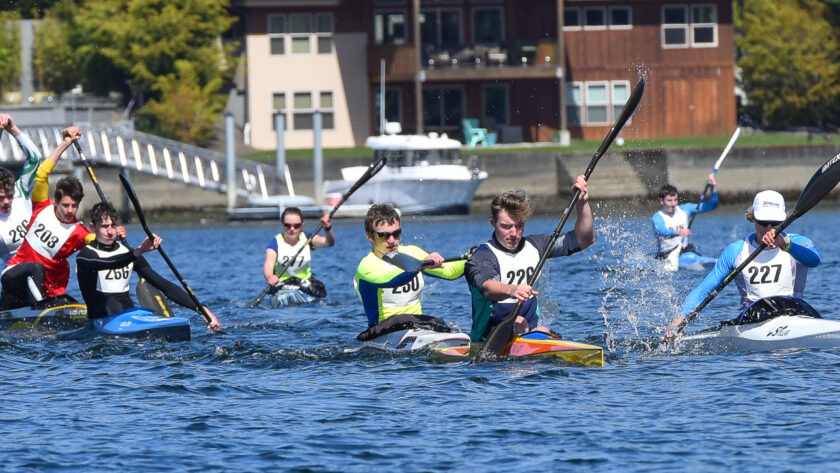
[(453, 344), (290, 297), (769, 324), (406, 333)]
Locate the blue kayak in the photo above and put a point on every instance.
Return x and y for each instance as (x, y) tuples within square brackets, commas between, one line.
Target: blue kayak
[(141, 322), (695, 261)]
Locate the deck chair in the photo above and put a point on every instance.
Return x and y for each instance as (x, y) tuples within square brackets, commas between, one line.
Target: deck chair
[(473, 135)]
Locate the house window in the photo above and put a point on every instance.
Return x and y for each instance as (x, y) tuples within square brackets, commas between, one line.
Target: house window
[(571, 18), (495, 104), (277, 33), (327, 110), (441, 27), (597, 103), (620, 18), (703, 26), (674, 26), (443, 106), (303, 111), (389, 28), (324, 32), (594, 18), (620, 94), (278, 106), (574, 104), (300, 27), (488, 25)]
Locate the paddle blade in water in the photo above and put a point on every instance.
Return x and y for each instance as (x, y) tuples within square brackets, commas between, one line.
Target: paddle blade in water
[(825, 179)]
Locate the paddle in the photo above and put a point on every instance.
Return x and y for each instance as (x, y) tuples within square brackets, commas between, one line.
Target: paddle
[(822, 182), (411, 264), (503, 335), (672, 261), (708, 187), (140, 215), (150, 294), (374, 168)]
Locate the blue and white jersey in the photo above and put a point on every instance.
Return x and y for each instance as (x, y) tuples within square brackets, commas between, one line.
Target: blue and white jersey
[(665, 226), (771, 273), (492, 261)]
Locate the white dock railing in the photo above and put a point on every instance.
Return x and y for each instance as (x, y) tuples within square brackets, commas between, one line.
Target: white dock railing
[(150, 154)]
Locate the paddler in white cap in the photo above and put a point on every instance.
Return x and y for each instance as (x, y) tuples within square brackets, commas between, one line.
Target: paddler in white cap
[(779, 270)]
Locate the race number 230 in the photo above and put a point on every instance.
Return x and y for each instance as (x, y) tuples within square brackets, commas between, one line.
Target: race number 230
[(764, 274)]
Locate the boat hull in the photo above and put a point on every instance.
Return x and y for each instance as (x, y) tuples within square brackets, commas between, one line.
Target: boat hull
[(63, 317), (778, 333), (143, 323), (541, 345), (457, 346), (696, 262), (290, 297), (415, 190)]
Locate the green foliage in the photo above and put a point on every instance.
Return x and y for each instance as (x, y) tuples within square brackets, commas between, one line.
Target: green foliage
[(10, 62), (790, 60), (27, 9), (186, 110), (59, 66)]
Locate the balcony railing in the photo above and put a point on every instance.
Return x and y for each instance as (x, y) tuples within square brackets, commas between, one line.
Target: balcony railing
[(522, 53)]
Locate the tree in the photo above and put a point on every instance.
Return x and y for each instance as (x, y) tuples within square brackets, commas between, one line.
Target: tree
[(56, 60), (790, 60), (10, 62), (186, 110)]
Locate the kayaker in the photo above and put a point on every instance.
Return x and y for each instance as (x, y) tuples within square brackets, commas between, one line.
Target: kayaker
[(40, 271), (286, 245), (670, 223), (779, 270), (384, 289), (15, 206), (499, 270), (104, 269)]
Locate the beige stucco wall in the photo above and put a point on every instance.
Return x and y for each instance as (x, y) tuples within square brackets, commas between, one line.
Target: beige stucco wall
[(344, 72)]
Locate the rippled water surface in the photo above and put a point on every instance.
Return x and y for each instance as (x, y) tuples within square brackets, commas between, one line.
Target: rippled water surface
[(276, 392)]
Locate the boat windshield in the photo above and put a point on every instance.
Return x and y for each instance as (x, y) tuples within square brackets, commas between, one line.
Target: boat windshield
[(415, 157)]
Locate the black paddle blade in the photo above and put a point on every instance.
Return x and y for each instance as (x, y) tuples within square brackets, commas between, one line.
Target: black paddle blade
[(498, 342), (151, 298), (825, 179), (403, 261)]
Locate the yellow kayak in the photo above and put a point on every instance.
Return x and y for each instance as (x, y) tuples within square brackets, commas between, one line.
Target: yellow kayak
[(535, 344)]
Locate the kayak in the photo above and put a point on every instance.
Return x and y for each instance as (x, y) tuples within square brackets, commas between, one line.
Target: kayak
[(61, 317), (452, 344), (138, 322), (544, 344), (769, 324), (405, 334), (695, 261), (290, 297)]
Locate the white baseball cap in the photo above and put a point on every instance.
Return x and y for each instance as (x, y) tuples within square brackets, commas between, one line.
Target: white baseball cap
[(769, 206)]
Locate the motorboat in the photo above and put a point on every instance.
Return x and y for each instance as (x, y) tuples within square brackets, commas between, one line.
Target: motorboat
[(424, 175)]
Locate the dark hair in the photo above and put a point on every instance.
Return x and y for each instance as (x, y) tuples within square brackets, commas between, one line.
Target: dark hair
[(667, 190), (69, 186), (290, 210), (378, 214), (101, 211), (514, 203), (7, 181)]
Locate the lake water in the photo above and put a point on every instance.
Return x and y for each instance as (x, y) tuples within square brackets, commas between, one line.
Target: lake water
[(276, 392)]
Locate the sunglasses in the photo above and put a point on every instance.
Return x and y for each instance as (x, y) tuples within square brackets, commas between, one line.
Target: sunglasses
[(292, 225), (765, 223), (385, 235)]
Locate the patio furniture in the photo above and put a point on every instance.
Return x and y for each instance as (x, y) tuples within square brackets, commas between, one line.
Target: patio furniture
[(473, 135)]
